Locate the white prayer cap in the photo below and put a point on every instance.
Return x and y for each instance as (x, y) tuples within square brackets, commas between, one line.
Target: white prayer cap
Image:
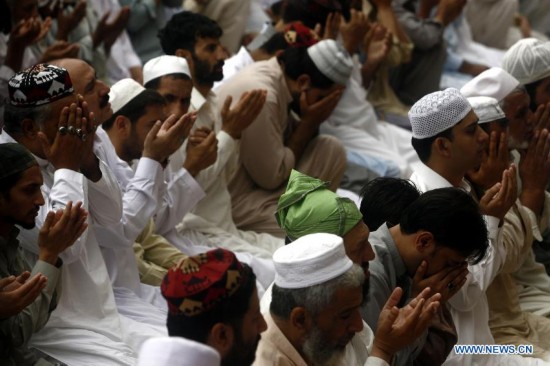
[(528, 60), (169, 351), (332, 60), (123, 92), (438, 111), (495, 83), (310, 260), (486, 109), (165, 65)]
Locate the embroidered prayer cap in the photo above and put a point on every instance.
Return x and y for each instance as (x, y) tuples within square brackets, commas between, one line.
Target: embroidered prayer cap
[(165, 65), (494, 82), (200, 283), (528, 60), (438, 111), (308, 207), (122, 93), (310, 260), (332, 60), (298, 35), (38, 85), (169, 351), (486, 109), (15, 159)]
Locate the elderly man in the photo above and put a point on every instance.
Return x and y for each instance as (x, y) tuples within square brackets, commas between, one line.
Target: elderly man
[(212, 299), (197, 39), (314, 313), (46, 117), (20, 180), (309, 81)]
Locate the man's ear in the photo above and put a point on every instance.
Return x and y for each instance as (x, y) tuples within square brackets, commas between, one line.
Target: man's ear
[(442, 146), (122, 126), (424, 242), (221, 338), (300, 321), (304, 82), (186, 54)]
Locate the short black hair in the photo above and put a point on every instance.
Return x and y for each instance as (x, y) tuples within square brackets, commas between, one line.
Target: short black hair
[(453, 217), (184, 29), (423, 147), (276, 43), (297, 62), (230, 311), (155, 83), (136, 108), (7, 183), (384, 199), (14, 116)]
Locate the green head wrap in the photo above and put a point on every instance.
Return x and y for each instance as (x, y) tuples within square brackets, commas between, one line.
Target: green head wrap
[(15, 158), (308, 207)]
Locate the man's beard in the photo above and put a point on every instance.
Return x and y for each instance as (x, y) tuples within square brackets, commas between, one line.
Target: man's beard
[(241, 354), (204, 74), (319, 352)]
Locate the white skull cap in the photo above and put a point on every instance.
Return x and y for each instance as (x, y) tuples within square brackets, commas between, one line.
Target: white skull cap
[(165, 65), (495, 83), (528, 60), (438, 111), (486, 109)]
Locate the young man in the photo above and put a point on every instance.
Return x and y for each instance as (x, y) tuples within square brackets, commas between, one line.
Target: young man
[(314, 312), (196, 38), (86, 326), (309, 80), (20, 182), (212, 299)]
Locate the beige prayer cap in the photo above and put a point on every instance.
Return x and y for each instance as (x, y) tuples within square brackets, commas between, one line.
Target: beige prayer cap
[(486, 109), (310, 260), (495, 83), (165, 65), (528, 60), (438, 111), (332, 60), (169, 351), (123, 92)]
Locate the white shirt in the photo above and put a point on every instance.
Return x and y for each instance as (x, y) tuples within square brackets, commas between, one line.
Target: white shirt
[(234, 64)]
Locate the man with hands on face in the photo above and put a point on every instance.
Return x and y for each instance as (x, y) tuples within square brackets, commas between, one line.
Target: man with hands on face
[(20, 180)]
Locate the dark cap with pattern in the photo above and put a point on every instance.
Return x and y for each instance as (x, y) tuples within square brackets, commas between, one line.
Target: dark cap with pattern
[(298, 35), (199, 283), (38, 85)]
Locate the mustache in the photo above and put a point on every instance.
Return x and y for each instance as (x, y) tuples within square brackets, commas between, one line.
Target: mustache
[(104, 100), (219, 64)]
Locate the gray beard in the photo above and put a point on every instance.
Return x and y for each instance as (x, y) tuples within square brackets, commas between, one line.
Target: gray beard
[(318, 352)]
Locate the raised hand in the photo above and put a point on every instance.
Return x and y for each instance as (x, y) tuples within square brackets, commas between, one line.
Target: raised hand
[(166, 137), (202, 151), (67, 21), (238, 118), (16, 293), (376, 46), (354, 32), (541, 117), (60, 49), (446, 282), (316, 113), (449, 10), (493, 163), (107, 33), (397, 328), (60, 230), (534, 170), (332, 26), (498, 199)]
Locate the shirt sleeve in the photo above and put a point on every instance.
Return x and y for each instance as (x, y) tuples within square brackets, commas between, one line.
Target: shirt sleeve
[(424, 33), (105, 198)]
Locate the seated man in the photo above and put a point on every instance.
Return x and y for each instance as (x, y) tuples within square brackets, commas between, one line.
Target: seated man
[(212, 299), (20, 182), (310, 81), (314, 312)]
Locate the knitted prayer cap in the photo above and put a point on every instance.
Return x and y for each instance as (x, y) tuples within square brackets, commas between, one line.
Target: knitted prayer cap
[(495, 83), (332, 60), (164, 65), (486, 109), (38, 85), (308, 207), (15, 159), (298, 35), (122, 93), (310, 260), (200, 283), (438, 111), (528, 60)]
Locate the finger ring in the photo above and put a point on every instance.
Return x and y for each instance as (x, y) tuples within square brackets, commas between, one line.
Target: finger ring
[(451, 286), (71, 130), (78, 132), (62, 130), (83, 137)]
